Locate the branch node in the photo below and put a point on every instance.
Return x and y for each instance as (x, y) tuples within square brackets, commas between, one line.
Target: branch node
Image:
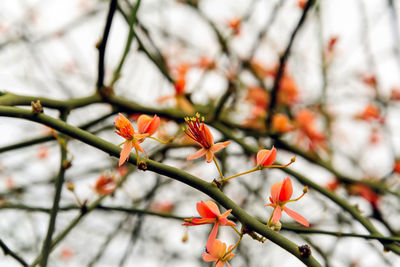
[(305, 251), (142, 165), (36, 107)]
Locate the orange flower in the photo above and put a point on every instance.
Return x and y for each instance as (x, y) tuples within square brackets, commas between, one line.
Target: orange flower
[(305, 121), (147, 126), (288, 93), (105, 185), (365, 192), (200, 133), (281, 123), (210, 213), (332, 43), (262, 70), (162, 207), (219, 254), (235, 25), (280, 195), (266, 157), (395, 93), (370, 113), (179, 85), (302, 3), (396, 167), (66, 254), (43, 152), (259, 98), (370, 80), (206, 63), (333, 185)]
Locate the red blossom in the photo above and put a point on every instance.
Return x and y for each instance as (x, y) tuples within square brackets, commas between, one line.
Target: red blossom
[(218, 253), (209, 213), (200, 133), (266, 157), (280, 195)]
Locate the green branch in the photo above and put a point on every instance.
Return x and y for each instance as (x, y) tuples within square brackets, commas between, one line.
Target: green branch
[(9, 99), (308, 230), (57, 196)]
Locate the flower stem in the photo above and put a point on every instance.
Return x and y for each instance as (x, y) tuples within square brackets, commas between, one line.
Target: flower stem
[(137, 156), (236, 230), (277, 166), (243, 173), (219, 169), (162, 141), (270, 218), (235, 246)]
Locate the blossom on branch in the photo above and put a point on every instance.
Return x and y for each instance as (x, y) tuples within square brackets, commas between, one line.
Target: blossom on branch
[(210, 213), (281, 123), (219, 254), (105, 185), (180, 93), (280, 195), (146, 125), (200, 133), (266, 157)]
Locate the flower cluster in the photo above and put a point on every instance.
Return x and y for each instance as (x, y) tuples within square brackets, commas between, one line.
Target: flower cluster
[(197, 131), (210, 214), (147, 126), (215, 249)]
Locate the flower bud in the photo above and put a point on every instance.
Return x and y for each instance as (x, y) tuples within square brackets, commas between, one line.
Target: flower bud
[(70, 186), (275, 226), (305, 190)]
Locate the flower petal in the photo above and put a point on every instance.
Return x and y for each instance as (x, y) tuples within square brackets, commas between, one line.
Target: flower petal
[(124, 127), (208, 209), (212, 237), (209, 156), (137, 146), (286, 190), (147, 124), (297, 217), (266, 157), (199, 153), (208, 257), (277, 214), (200, 221), (217, 249), (124, 155), (275, 190), (223, 219), (207, 134), (218, 146)]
